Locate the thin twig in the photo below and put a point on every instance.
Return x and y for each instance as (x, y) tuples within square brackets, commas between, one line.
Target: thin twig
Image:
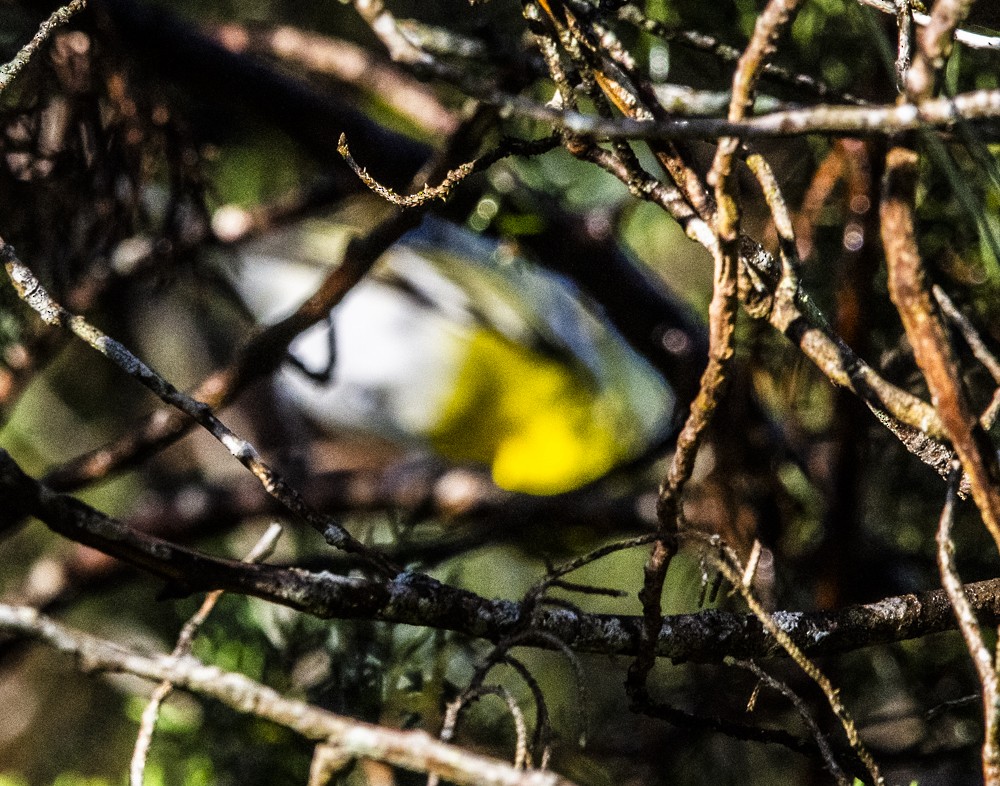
[(472, 694), (543, 724), (632, 13), (904, 44), (689, 721), (535, 636), (261, 355), (137, 769), (979, 349), (800, 706), (982, 658), (965, 37), (969, 333), (454, 177)]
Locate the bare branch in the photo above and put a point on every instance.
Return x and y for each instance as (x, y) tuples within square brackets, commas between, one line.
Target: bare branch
[(58, 18), (30, 290), (904, 43), (455, 708), (935, 44), (384, 25), (454, 177), (630, 12), (931, 345), (969, 333), (966, 37), (826, 119), (800, 706), (261, 355), (412, 750), (346, 61), (722, 326), (733, 575)]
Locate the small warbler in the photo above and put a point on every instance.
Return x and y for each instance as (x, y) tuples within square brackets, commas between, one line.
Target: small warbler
[(454, 345)]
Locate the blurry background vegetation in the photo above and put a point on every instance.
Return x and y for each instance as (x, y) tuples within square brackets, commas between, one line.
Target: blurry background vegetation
[(852, 515)]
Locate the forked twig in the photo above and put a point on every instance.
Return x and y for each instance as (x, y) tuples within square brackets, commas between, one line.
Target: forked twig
[(965, 37), (722, 331), (729, 566), (383, 24), (260, 355), (979, 349), (800, 706), (455, 176), (471, 694), (910, 290)]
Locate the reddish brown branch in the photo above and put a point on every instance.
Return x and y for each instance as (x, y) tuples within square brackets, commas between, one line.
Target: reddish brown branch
[(930, 340)]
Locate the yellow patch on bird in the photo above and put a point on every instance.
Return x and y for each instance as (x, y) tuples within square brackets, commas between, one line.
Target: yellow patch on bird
[(541, 427)]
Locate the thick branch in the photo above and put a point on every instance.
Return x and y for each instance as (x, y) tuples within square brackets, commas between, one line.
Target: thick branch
[(911, 294), (413, 599), (59, 17)]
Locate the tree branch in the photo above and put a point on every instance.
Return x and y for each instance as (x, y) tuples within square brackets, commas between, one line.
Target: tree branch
[(30, 290), (415, 599), (412, 750)]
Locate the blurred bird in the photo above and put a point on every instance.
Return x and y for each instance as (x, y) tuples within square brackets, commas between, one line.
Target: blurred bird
[(454, 344)]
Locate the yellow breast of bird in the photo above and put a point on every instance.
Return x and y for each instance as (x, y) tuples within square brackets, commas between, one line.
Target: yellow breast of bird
[(541, 427)]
